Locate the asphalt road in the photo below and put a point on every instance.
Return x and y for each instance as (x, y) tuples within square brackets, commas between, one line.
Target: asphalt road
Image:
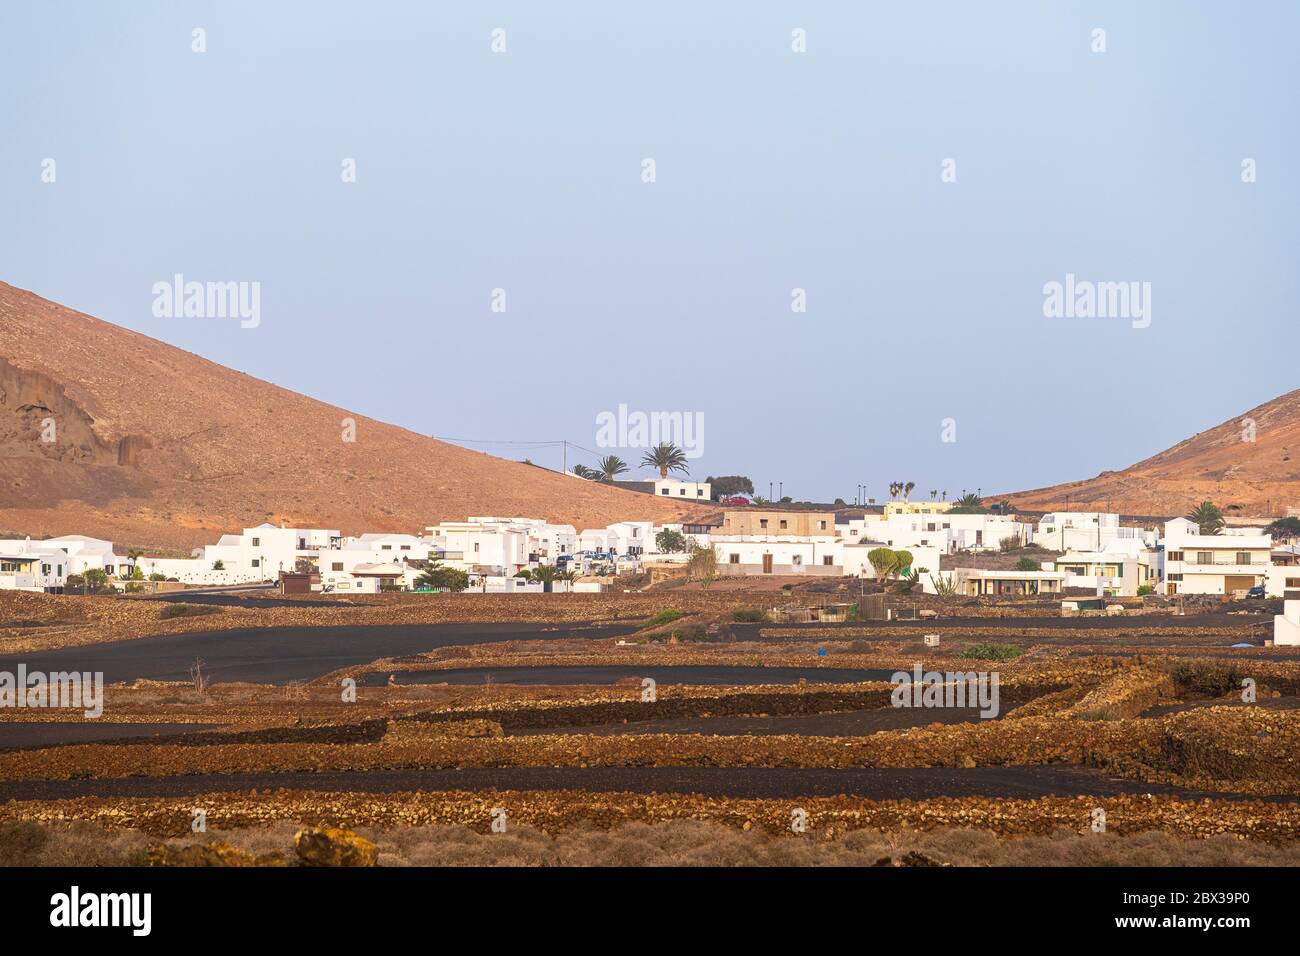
[(276, 655), (47, 733), (609, 674), (850, 723), (993, 624), (913, 783)]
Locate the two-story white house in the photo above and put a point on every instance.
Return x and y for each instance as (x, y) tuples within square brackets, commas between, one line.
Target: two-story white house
[(1196, 563)]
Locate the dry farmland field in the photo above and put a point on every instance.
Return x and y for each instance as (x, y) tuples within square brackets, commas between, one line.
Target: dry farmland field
[(674, 727)]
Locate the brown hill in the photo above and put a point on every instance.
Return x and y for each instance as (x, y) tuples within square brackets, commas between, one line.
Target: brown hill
[(1257, 478), (157, 447)]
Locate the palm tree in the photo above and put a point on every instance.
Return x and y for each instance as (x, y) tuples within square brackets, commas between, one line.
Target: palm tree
[(666, 457), (1207, 517), (970, 504), (545, 575), (568, 577), (933, 494), (907, 489), (610, 467), (894, 489), (582, 471)]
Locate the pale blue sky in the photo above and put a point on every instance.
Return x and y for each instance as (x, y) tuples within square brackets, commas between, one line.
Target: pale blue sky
[(775, 170)]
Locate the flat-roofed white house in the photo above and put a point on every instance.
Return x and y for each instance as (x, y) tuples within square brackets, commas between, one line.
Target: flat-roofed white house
[(778, 542), (1085, 531), (32, 566), (1286, 626), (977, 582), (945, 530), (1196, 563), (261, 553), (371, 577), (923, 557), (495, 546), (85, 553), (670, 488), (386, 547), (623, 538), (1119, 569)]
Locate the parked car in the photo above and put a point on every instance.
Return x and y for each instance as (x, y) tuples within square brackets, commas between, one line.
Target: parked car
[(1256, 592)]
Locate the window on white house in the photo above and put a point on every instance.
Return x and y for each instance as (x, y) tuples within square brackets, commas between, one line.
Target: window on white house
[(257, 542)]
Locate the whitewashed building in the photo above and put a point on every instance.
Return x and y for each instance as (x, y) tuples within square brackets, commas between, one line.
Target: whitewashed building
[(1196, 563), (27, 565)]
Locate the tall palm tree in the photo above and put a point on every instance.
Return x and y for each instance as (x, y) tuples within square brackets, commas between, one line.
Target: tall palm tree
[(610, 467), (934, 493), (666, 457), (1207, 517), (907, 489)]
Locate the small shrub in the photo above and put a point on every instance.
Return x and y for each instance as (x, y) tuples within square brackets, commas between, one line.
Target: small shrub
[(188, 610), (1207, 679), (664, 617), (750, 616), (990, 652)]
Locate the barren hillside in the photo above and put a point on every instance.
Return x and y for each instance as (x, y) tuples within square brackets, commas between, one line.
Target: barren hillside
[(1259, 477), (157, 447)]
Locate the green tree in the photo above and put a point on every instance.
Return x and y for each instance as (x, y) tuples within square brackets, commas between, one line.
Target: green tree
[(582, 471), (1207, 517), (610, 467), (969, 504), (1028, 564), (885, 563), (94, 580), (669, 541), (1284, 529), (666, 457), (438, 575), (568, 577), (730, 486)]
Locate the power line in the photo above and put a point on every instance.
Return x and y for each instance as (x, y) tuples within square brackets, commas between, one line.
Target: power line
[(521, 444)]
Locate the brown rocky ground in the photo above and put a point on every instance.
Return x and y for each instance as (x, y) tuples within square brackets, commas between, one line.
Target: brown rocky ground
[(1167, 717)]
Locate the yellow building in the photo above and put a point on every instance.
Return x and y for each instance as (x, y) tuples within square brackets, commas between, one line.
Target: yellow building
[(917, 507)]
